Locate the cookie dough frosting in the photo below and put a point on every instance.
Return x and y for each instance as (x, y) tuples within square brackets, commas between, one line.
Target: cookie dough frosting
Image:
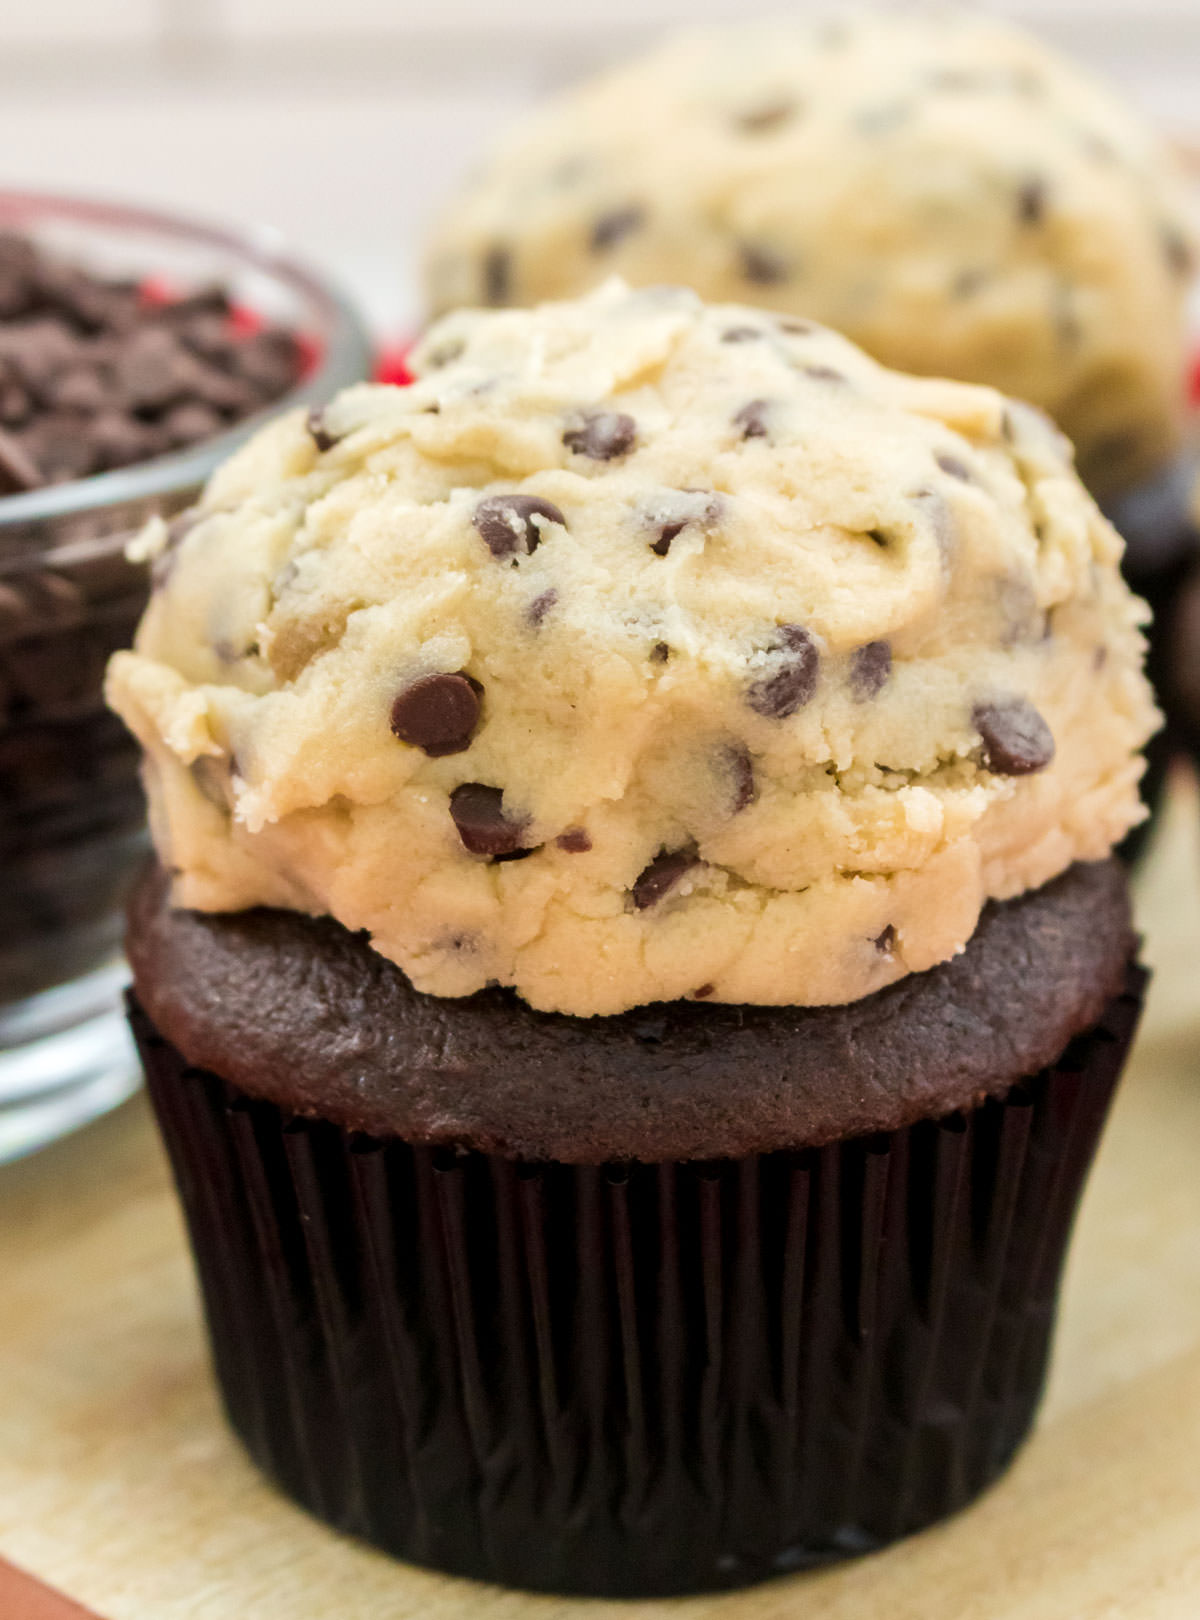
[(944, 190), (641, 650)]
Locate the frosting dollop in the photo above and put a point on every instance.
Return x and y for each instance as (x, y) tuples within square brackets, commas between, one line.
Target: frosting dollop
[(639, 650), (943, 189)]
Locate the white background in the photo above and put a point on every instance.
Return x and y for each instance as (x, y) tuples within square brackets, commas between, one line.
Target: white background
[(342, 121)]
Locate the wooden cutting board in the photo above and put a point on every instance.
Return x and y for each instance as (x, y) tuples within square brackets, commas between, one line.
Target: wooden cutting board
[(121, 1487)]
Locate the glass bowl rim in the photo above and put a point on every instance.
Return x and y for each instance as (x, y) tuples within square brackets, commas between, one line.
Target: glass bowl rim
[(346, 357)]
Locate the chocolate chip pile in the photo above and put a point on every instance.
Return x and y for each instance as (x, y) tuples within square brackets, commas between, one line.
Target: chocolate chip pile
[(97, 374)]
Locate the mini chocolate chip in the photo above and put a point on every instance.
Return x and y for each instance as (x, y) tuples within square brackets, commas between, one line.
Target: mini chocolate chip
[(1016, 740), (954, 468), (659, 653), (610, 228), (602, 435), (575, 841), (438, 713), (445, 354), (824, 373), (885, 943), (506, 523), (794, 682), (740, 766), (478, 813), (752, 419), (540, 606), (1031, 201), (768, 115), (1067, 324), (881, 538), (191, 423), (212, 777), (77, 389), (676, 512), (17, 471), (939, 514), (497, 275), (1178, 250), (741, 334), (661, 876), (795, 328), (318, 432), (702, 992), (870, 669), (762, 265)]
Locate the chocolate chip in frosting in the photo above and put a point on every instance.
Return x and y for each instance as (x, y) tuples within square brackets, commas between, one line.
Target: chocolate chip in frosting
[(438, 713), (870, 670), (575, 841), (762, 265), (678, 510), (794, 682), (1016, 740), (661, 876), (740, 766), (508, 524), (318, 432), (1031, 201), (614, 226), (885, 943), (767, 115), (953, 467), (741, 334), (478, 813), (824, 374), (752, 419), (1177, 250), (497, 275), (540, 606), (602, 435), (659, 653)]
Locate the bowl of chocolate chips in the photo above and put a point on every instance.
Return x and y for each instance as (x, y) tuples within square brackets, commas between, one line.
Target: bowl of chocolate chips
[(136, 351)]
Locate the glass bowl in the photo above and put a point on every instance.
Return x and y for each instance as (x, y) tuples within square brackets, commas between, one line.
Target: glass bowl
[(72, 824)]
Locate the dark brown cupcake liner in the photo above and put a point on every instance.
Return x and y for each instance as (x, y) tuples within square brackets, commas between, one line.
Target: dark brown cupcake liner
[(646, 1379)]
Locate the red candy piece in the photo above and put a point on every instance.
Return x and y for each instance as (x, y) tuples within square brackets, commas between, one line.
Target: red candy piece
[(1194, 382), (391, 363), (154, 291), (244, 322), (311, 353)]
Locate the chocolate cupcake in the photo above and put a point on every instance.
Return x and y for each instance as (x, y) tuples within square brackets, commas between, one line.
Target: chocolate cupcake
[(945, 190), (635, 977)]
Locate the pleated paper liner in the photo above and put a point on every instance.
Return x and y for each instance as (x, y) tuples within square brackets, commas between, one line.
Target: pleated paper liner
[(640, 1380)]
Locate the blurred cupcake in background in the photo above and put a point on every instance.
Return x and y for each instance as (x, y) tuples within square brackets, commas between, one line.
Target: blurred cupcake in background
[(945, 190), (635, 975)]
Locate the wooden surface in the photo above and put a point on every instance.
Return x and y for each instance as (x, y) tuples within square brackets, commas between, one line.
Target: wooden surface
[(120, 1486)]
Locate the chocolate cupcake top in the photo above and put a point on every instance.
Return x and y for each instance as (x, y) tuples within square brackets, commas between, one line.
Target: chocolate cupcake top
[(943, 189), (641, 650)]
